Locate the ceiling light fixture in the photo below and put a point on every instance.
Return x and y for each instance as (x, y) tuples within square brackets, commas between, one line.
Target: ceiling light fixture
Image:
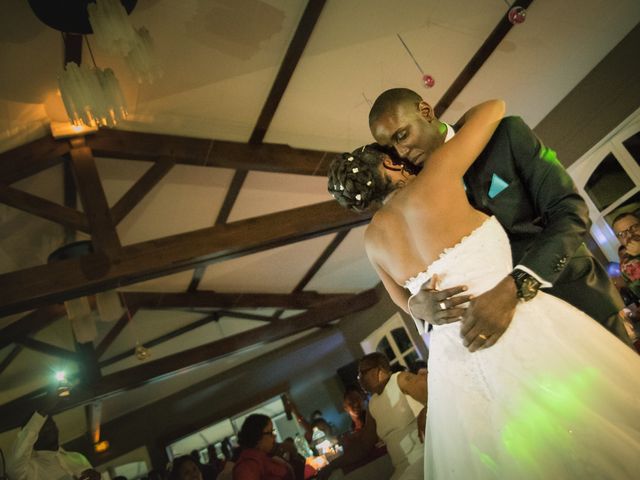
[(92, 97), (115, 34)]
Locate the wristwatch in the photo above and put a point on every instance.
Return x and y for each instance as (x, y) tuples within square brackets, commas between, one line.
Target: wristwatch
[(526, 285)]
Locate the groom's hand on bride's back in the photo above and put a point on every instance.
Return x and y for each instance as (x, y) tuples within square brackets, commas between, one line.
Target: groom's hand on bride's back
[(439, 307), (489, 315)]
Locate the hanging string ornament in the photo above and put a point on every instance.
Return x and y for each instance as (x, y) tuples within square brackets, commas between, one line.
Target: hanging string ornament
[(517, 14), (427, 80), (115, 34), (141, 352)]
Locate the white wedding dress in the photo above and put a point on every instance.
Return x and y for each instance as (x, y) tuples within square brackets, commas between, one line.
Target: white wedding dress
[(557, 397)]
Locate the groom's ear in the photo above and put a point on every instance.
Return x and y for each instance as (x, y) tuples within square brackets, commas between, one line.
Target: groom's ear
[(426, 111)]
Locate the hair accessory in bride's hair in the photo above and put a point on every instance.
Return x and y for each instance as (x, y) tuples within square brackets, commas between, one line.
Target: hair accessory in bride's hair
[(355, 179)]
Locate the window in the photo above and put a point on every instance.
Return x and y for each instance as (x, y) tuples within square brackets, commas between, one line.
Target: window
[(392, 340), (609, 179), (225, 431), (608, 182)]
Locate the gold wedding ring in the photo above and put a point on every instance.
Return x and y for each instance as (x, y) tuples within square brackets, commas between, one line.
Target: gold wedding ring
[(482, 336), (442, 306)]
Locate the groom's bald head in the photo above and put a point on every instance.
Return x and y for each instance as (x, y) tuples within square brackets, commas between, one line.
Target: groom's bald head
[(388, 100)]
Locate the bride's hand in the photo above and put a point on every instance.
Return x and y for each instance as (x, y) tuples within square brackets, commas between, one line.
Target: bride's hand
[(489, 315), (438, 307)]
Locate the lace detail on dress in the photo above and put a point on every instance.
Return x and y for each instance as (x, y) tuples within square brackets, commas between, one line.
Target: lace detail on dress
[(423, 276)]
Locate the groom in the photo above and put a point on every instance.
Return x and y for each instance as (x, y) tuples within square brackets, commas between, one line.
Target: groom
[(521, 182)]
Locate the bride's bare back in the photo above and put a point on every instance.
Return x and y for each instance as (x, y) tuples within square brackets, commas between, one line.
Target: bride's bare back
[(431, 213)]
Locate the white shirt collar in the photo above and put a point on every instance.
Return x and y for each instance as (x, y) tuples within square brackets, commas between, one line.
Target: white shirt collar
[(450, 132)]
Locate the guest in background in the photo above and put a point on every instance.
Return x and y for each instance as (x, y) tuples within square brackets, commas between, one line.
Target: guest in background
[(317, 419), (257, 440), (627, 228), (354, 403), (155, 475), (396, 402), (419, 367), (185, 468), (215, 463), (36, 453), (208, 471)]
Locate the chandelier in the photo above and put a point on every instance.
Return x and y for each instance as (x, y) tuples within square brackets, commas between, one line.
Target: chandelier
[(91, 96)]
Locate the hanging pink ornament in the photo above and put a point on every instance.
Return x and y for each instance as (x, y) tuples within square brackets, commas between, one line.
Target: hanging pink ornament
[(428, 81), (517, 15)]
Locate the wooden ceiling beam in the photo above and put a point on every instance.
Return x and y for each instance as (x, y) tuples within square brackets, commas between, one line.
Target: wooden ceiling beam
[(116, 383), (48, 349), (43, 208), (223, 215), (140, 189), (209, 299), (479, 58), (88, 368), (115, 331), (162, 339), (103, 232), (317, 265), (31, 158), (70, 197), (244, 315), (11, 356), (275, 158), (61, 280), (30, 323), (291, 58)]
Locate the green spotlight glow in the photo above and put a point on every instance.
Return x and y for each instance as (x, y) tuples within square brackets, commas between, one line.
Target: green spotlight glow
[(547, 416)]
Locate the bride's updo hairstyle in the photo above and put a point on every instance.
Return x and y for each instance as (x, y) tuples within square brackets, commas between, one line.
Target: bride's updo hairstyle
[(355, 180)]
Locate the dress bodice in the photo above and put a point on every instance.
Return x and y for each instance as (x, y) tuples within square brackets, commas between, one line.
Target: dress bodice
[(479, 261)]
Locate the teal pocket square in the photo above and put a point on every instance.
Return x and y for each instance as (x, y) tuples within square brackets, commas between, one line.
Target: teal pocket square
[(497, 185)]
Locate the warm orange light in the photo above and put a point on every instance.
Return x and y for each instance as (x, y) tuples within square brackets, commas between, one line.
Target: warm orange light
[(102, 446), (318, 462), (68, 129)]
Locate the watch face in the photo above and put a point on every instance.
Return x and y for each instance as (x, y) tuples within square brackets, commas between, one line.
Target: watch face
[(528, 289)]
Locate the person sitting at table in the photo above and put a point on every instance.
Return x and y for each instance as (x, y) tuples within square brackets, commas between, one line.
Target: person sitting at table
[(397, 399)]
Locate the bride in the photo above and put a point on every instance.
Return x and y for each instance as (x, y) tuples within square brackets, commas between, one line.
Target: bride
[(557, 396)]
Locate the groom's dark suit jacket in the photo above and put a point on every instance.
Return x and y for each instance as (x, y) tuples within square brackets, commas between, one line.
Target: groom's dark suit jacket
[(521, 182)]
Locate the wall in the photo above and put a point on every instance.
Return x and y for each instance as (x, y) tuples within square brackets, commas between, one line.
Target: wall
[(603, 99)]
